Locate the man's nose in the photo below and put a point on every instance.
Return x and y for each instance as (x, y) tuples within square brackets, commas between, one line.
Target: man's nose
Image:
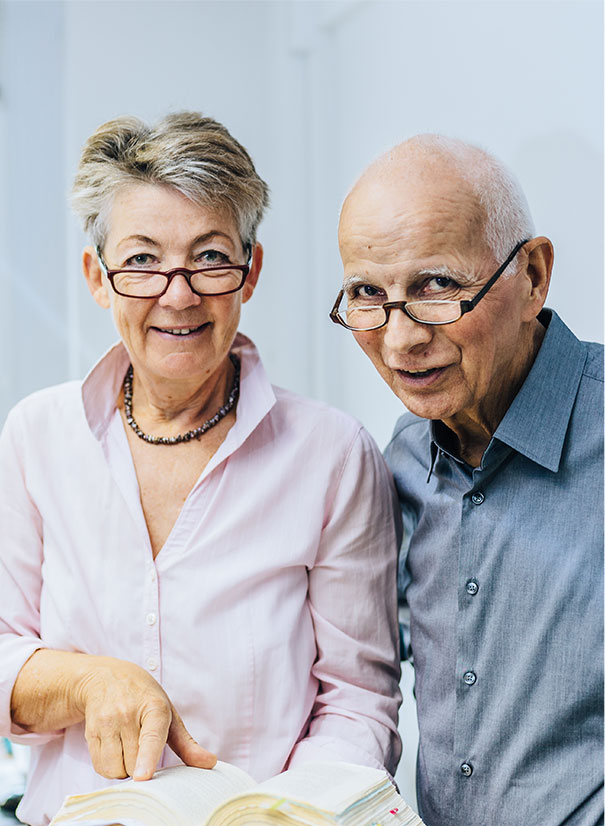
[(403, 333), (179, 294)]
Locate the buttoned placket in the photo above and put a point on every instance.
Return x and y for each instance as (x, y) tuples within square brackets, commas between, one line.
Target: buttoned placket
[(467, 679), (475, 511), (150, 619)]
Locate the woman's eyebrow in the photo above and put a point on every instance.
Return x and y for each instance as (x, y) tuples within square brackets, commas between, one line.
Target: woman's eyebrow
[(144, 239), (208, 236)]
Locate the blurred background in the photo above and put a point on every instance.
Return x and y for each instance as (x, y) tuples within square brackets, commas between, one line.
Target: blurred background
[(314, 90)]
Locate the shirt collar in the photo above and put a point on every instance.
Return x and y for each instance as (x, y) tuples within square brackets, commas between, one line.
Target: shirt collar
[(101, 388), (536, 422)]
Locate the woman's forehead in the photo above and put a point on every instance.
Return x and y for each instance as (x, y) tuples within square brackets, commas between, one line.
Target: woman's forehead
[(159, 212)]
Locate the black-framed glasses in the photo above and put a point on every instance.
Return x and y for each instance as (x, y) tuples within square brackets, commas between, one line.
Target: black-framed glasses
[(360, 316), (216, 280)]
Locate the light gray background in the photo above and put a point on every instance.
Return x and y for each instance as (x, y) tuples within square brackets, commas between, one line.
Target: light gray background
[(315, 90)]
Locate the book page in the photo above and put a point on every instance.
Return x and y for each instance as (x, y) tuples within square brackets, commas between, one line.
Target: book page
[(319, 794), (191, 794), (330, 786)]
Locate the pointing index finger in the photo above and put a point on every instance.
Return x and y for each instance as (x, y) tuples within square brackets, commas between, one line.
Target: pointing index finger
[(155, 724)]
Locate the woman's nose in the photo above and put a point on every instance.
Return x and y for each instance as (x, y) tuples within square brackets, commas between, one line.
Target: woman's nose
[(179, 294)]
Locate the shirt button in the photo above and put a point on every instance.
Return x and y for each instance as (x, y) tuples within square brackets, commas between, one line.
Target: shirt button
[(470, 678), (477, 498), (152, 575), (152, 664), (466, 769), (472, 586), (150, 619)]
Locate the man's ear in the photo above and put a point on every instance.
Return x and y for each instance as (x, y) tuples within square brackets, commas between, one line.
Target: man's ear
[(540, 258), (256, 265), (95, 278)]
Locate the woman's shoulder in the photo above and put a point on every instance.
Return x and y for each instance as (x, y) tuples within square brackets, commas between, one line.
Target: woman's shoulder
[(310, 409), (43, 407), (327, 426)]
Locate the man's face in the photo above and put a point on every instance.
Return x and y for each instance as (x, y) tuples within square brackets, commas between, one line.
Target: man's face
[(421, 239)]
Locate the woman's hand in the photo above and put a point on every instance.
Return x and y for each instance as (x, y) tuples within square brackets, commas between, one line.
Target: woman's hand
[(129, 717), (129, 720)]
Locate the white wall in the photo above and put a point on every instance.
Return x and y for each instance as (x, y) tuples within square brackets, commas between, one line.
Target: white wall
[(315, 90)]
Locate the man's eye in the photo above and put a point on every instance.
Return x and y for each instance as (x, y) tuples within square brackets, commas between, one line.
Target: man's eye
[(363, 292), (441, 284), (141, 259), (213, 257)]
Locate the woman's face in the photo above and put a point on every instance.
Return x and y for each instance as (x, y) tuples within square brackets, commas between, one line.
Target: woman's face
[(156, 227)]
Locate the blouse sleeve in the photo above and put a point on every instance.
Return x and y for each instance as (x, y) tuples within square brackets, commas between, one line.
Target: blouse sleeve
[(353, 600), (21, 557)]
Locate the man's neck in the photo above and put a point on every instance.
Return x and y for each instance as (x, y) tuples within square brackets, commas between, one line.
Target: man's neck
[(472, 430)]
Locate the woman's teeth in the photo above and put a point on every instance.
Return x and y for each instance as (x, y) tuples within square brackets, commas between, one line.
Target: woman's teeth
[(183, 331)]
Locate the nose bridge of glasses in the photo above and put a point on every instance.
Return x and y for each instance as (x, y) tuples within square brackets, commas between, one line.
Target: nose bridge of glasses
[(186, 275)]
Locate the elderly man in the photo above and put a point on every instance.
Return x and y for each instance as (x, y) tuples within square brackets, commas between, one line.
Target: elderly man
[(499, 468)]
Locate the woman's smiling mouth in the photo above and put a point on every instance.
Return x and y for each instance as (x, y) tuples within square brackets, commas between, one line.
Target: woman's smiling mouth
[(180, 332)]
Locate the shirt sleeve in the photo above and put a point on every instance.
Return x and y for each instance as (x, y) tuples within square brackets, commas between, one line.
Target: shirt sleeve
[(353, 602), (21, 559)]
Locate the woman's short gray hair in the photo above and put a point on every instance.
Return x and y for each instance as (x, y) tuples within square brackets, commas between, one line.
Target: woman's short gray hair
[(194, 154)]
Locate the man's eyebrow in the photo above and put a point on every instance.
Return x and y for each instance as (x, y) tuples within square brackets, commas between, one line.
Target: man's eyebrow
[(351, 280), (445, 272), (462, 278)]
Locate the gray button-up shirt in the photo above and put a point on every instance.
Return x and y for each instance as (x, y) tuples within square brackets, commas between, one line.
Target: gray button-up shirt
[(503, 580)]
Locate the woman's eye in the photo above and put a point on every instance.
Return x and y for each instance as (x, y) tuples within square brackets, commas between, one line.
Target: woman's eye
[(141, 259), (212, 258)]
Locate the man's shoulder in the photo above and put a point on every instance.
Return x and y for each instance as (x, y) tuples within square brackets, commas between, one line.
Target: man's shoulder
[(408, 451), (410, 426)]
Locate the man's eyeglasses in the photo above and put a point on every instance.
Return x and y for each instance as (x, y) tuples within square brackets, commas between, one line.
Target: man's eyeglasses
[(216, 280), (360, 315)]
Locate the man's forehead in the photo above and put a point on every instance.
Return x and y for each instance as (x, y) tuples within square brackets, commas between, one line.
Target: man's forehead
[(381, 213)]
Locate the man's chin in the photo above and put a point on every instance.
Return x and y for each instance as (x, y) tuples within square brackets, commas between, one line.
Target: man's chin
[(425, 405)]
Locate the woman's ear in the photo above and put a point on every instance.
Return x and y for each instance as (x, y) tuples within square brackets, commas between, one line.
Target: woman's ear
[(95, 278), (256, 265)]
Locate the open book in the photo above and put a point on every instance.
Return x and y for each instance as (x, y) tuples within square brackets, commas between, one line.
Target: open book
[(317, 794)]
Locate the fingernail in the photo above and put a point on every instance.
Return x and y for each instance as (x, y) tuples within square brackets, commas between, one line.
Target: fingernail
[(139, 772)]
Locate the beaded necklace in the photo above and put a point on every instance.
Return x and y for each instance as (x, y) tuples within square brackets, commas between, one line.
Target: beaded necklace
[(197, 432)]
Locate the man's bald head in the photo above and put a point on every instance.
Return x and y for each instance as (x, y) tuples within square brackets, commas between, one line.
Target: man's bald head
[(428, 164)]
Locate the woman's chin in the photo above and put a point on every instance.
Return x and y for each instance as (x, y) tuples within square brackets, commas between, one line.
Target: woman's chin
[(178, 366)]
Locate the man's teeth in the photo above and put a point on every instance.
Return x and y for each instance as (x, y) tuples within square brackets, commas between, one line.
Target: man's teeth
[(420, 372), (183, 331)]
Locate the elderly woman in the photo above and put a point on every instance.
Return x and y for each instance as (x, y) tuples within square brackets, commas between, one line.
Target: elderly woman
[(190, 557)]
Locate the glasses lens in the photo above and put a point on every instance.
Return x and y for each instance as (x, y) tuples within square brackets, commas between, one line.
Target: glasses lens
[(434, 312), (211, 282), (362, 318), (139, 284)]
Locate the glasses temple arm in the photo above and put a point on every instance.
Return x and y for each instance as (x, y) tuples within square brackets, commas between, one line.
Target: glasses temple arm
[(469, 305)]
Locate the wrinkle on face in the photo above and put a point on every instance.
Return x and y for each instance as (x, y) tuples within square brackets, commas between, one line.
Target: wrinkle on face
[(404, 218)]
